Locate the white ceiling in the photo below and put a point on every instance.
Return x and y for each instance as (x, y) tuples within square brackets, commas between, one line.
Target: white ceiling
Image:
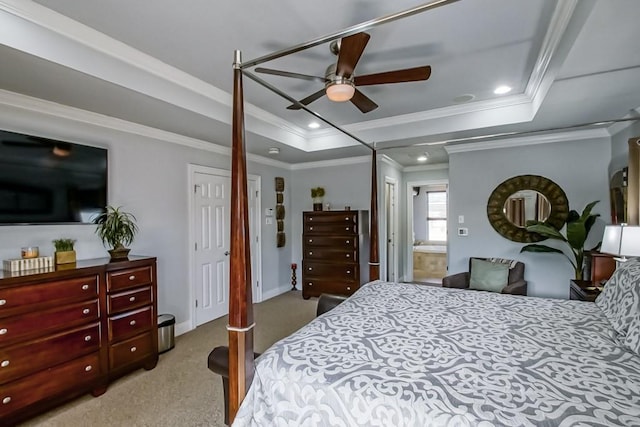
[(167, 65)]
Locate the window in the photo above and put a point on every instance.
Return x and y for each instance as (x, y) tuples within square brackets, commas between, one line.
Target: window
[(437, 216)]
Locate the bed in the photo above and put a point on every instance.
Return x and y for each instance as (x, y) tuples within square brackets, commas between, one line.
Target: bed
[(406, 354), (436, 356)]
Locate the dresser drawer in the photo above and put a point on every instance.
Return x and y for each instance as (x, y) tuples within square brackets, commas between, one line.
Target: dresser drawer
[(72, 375), (130, 351), (128, 300), (333, 218), (130, 324), (325, 228), (316, 287), (31, 356), (342, 272), (50, 293), (339, 255), (36, 323), (346, 242), (128, 278)]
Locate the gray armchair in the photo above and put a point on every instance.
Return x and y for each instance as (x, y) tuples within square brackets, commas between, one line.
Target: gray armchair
[(516, 284)]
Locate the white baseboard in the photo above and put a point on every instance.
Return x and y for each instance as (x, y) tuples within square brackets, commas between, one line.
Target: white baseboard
[(182, 328), (275, 292)]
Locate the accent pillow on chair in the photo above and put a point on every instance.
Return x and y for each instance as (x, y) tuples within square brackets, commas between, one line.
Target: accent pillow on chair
[(488, 276)]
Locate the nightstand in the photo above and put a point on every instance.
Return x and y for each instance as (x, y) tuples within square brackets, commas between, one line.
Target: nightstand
[(584, 290)]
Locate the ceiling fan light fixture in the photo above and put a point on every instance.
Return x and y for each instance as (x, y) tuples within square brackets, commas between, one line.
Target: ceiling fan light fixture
[(340, 92)]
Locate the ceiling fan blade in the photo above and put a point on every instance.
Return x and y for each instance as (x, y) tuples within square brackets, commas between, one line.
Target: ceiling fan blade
[(308, 100), (289, 74), (351, 49), (398, 76), (363, 103)]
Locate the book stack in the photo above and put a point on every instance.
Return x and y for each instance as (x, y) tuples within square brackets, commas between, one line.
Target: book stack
[(28, 263)]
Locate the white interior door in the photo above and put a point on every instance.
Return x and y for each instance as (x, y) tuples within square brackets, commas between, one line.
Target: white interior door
[(211, 221), (254, 236), (390, 215)]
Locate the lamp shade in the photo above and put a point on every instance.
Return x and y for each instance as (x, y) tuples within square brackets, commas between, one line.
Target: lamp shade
[(340, 92), (621, 240)]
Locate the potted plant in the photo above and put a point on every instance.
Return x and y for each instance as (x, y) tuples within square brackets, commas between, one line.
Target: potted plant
[(65, 254), (117, 229), (578, 227), (317, 194)]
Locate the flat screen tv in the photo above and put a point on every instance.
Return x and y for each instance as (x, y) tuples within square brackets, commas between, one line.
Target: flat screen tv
[(45, 181)]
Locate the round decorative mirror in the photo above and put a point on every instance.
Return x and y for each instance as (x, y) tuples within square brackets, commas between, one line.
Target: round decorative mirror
[(526, 198)]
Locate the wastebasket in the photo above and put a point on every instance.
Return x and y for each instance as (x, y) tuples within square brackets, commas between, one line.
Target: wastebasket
[(166, 334)]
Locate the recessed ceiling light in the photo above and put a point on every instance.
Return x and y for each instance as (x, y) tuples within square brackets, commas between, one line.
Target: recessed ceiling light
[(501, 90), (464, 98), (274, 150), (422, 158), (314, 125)]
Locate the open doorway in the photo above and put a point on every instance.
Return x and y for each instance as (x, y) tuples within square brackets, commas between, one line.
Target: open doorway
[(427, 206)]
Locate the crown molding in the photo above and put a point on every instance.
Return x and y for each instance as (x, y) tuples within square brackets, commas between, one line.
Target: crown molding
[(528, 140), (423, 168), (329, 163), (388, 160), (76, 115)]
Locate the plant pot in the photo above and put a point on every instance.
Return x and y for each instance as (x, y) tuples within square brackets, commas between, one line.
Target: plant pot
[(120, 253), (317, 206), (65, 257)]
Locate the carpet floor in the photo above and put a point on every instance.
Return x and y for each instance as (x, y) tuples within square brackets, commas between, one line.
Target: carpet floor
[(181, 390)]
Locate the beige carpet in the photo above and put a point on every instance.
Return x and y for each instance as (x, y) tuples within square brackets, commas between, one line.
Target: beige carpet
[(180, 391)]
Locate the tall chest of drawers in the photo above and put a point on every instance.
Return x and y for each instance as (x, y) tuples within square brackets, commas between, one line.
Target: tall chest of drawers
[(335, 250), (56, 332)]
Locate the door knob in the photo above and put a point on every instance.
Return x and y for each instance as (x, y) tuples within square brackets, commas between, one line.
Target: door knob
[(226, 253)]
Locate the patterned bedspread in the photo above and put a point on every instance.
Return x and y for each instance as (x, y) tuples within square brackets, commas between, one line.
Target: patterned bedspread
[(411, 355)]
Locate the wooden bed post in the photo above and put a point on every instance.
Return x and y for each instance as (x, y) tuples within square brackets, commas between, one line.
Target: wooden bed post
[(241, 323), (374, 258)]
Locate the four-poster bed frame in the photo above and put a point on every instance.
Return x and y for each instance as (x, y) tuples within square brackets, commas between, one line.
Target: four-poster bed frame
[(241, 323)]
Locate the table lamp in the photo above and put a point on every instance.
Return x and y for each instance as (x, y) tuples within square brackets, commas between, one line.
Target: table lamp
[(621, 240)]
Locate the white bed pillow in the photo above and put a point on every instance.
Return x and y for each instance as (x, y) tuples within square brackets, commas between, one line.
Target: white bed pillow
[(620, 298)]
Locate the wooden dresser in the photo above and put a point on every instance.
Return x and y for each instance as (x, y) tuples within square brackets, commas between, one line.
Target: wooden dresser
[(335, 250), (70, 331)]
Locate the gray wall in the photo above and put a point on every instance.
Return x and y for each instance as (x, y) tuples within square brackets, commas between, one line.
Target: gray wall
[(578, 167), (345, 185), (150, 179), (620, 147)]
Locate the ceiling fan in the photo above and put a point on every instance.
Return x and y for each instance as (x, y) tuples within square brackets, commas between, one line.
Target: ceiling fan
[(340, 81)]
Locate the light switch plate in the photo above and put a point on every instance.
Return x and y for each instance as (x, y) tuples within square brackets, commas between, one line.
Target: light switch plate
[(463, 231), (268, 220), (460, 219)]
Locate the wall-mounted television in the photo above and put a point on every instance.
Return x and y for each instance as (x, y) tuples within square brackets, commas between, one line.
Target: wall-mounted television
[(46, 181)]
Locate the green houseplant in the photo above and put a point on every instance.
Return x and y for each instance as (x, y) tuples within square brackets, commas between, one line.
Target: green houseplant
[(578, 227), (317, 194), (65, 253), (117, 229)]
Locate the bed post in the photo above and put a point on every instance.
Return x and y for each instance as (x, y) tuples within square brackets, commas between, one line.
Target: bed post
[(241, 324), (374, 259)]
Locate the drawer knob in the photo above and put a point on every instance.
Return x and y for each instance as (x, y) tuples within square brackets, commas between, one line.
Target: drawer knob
[(346, 228), (4, 363), (85, 287), (346, 218), (132, 277), (132, 323), (310, 253), (310, 284), (348, 255), (310, 240), (311, 219), (348, 242), (348, 271), (348, 288), (86, 311), (132, 299), (310, 228), (6, 400), (310, 268), (88, 368), (87, 338), (3, 301), (133, 349), (3, 331)]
